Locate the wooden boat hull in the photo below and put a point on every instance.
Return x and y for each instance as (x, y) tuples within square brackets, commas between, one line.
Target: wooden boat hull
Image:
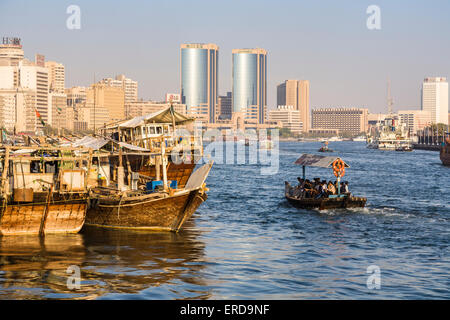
[(328, 203), (445, 155), (325, 203), (40, 218), (160, 214)]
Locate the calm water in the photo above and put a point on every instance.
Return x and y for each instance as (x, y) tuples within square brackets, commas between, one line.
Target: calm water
[(247, 242)]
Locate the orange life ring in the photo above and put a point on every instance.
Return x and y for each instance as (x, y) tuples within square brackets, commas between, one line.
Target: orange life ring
[(338, 168)]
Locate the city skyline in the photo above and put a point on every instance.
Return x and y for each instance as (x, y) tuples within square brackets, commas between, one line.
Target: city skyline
[(336, 39)]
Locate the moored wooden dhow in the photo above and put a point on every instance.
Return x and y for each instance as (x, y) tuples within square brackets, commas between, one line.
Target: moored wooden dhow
[(123, 197), (43, 189)]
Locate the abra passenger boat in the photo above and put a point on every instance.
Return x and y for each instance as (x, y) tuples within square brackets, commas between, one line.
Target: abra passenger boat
[(340, 200)]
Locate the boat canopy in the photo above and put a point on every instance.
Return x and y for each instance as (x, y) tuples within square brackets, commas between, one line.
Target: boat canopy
[(97, 143), (312, 160), (162, 116), (89, 142)]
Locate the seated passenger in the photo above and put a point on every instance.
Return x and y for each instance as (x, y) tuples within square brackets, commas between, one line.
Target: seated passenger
[(331, 188)]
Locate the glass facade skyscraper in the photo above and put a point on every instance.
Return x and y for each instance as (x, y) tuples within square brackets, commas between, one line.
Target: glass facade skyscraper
[(199, 79), (250, 83)]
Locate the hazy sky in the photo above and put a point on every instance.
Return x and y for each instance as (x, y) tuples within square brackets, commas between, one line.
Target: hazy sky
[(326, 42)]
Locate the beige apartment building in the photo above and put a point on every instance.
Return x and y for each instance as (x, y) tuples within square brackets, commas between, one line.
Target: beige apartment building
[(35, 78), (352, 120), (295, 93), (90, 118), (130, 87), (27, 83), (17, 110), (76, 95), (415, 119), (288, 116), (57, 110), (111, 98), (56, 76)]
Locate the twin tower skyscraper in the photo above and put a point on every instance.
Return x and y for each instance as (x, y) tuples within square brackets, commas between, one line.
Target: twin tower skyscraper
[(199, 81)]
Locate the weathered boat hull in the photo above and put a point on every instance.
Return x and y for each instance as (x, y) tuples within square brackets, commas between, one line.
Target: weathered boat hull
[(160, 214), (444, 154), (40, 218), (325, 203)]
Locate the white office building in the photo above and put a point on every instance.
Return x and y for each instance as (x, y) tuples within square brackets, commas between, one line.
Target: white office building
[(435, 99)]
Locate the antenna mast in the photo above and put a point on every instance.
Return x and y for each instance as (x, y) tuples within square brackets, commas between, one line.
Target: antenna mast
[(390, 101)]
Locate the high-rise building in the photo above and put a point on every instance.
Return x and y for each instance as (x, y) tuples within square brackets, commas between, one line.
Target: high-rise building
[(295, 93), (36, 78), (225, 107), (250, 83), (288, 116), (130, 87), (56, 76), (353, 120), (11, 50), (199, 79), (111, 98), (435, 99)]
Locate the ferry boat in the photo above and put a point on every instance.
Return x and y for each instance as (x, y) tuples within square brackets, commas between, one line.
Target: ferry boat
[(331, 201), (390, 135), (359, 139), (325, 148), (445, 151)]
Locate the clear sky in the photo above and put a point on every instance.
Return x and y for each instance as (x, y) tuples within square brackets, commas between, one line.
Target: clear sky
[(326, 42)]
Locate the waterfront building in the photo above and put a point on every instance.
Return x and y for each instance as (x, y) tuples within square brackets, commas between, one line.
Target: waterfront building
[(352, 120), (435, 98), (199, 80), (140, 108), (414, 119), (56, 76), (295, 93), (249, 92), (225, 107), (288, 116), (112, 98), (130, 87)]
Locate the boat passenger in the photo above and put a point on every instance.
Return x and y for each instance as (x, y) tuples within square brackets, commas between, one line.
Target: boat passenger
[(323, 192), (346, 187), (331, 188)]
